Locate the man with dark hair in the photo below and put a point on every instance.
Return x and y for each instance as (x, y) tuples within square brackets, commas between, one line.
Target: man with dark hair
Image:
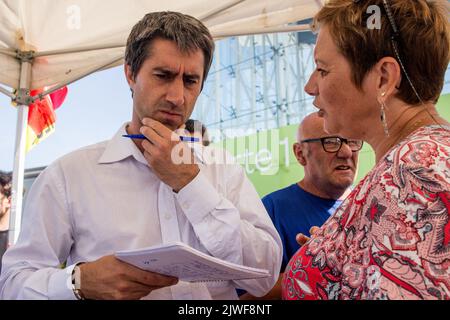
[(127, 194), (5, 205)]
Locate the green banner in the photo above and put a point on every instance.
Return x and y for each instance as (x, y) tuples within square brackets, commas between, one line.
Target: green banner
[(270, 163)]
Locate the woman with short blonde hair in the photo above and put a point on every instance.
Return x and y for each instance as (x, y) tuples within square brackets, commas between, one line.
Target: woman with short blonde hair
[(380, 70)]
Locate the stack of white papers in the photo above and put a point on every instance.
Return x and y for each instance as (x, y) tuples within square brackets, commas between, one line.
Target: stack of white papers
[(187, 264)]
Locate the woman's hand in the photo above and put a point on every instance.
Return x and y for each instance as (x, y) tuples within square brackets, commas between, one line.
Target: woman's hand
[(302, 239)]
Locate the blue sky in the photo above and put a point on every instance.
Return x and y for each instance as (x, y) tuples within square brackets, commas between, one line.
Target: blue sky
[(94, 109)]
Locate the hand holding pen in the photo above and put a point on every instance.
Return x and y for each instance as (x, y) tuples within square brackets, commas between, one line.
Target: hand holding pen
[(173, 162)]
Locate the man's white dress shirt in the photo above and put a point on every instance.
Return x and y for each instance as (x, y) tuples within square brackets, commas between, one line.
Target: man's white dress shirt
[(104, 198)]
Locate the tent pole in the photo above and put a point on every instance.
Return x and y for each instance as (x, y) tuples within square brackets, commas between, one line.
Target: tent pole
[(19, 153), (8, 52), (24, 99), (7, 93)]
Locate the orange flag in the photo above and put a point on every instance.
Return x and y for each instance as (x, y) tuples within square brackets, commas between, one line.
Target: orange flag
[(41, 116)]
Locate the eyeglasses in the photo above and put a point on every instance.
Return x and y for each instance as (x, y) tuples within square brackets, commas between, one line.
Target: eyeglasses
[(334, 144), (395, 40)]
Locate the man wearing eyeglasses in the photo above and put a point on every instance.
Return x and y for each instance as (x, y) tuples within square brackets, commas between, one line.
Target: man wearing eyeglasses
[(5, 204), (330, 164)]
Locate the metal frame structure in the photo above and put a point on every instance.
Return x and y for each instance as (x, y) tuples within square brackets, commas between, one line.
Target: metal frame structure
[(256, 83)]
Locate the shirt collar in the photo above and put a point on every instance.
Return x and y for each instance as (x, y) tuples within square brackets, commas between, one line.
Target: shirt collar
[(120, 148)]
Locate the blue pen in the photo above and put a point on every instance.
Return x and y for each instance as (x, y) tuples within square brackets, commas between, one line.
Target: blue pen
[(141, 136)]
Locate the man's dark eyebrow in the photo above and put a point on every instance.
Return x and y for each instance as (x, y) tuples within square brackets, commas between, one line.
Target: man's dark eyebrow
[(192, 76), (171, 72), (164, 70)]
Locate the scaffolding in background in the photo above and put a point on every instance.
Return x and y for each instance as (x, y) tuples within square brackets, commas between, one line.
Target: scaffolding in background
[(257, 83)]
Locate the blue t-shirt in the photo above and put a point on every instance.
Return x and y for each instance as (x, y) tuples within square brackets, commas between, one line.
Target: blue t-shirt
[(293, 210)]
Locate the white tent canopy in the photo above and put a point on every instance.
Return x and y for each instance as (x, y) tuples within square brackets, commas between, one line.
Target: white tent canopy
[(55, 42), (47, 26)]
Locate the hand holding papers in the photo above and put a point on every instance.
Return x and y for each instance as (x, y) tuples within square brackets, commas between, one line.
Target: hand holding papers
[(187, 264)]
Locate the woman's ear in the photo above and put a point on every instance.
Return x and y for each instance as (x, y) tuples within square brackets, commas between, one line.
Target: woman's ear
[(389, 77)]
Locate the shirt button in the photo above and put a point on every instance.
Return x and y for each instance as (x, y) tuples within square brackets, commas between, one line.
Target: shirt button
[(168, 216), (186, 205)]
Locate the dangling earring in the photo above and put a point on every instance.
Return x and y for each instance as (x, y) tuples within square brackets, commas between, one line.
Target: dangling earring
[(383, 117)]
